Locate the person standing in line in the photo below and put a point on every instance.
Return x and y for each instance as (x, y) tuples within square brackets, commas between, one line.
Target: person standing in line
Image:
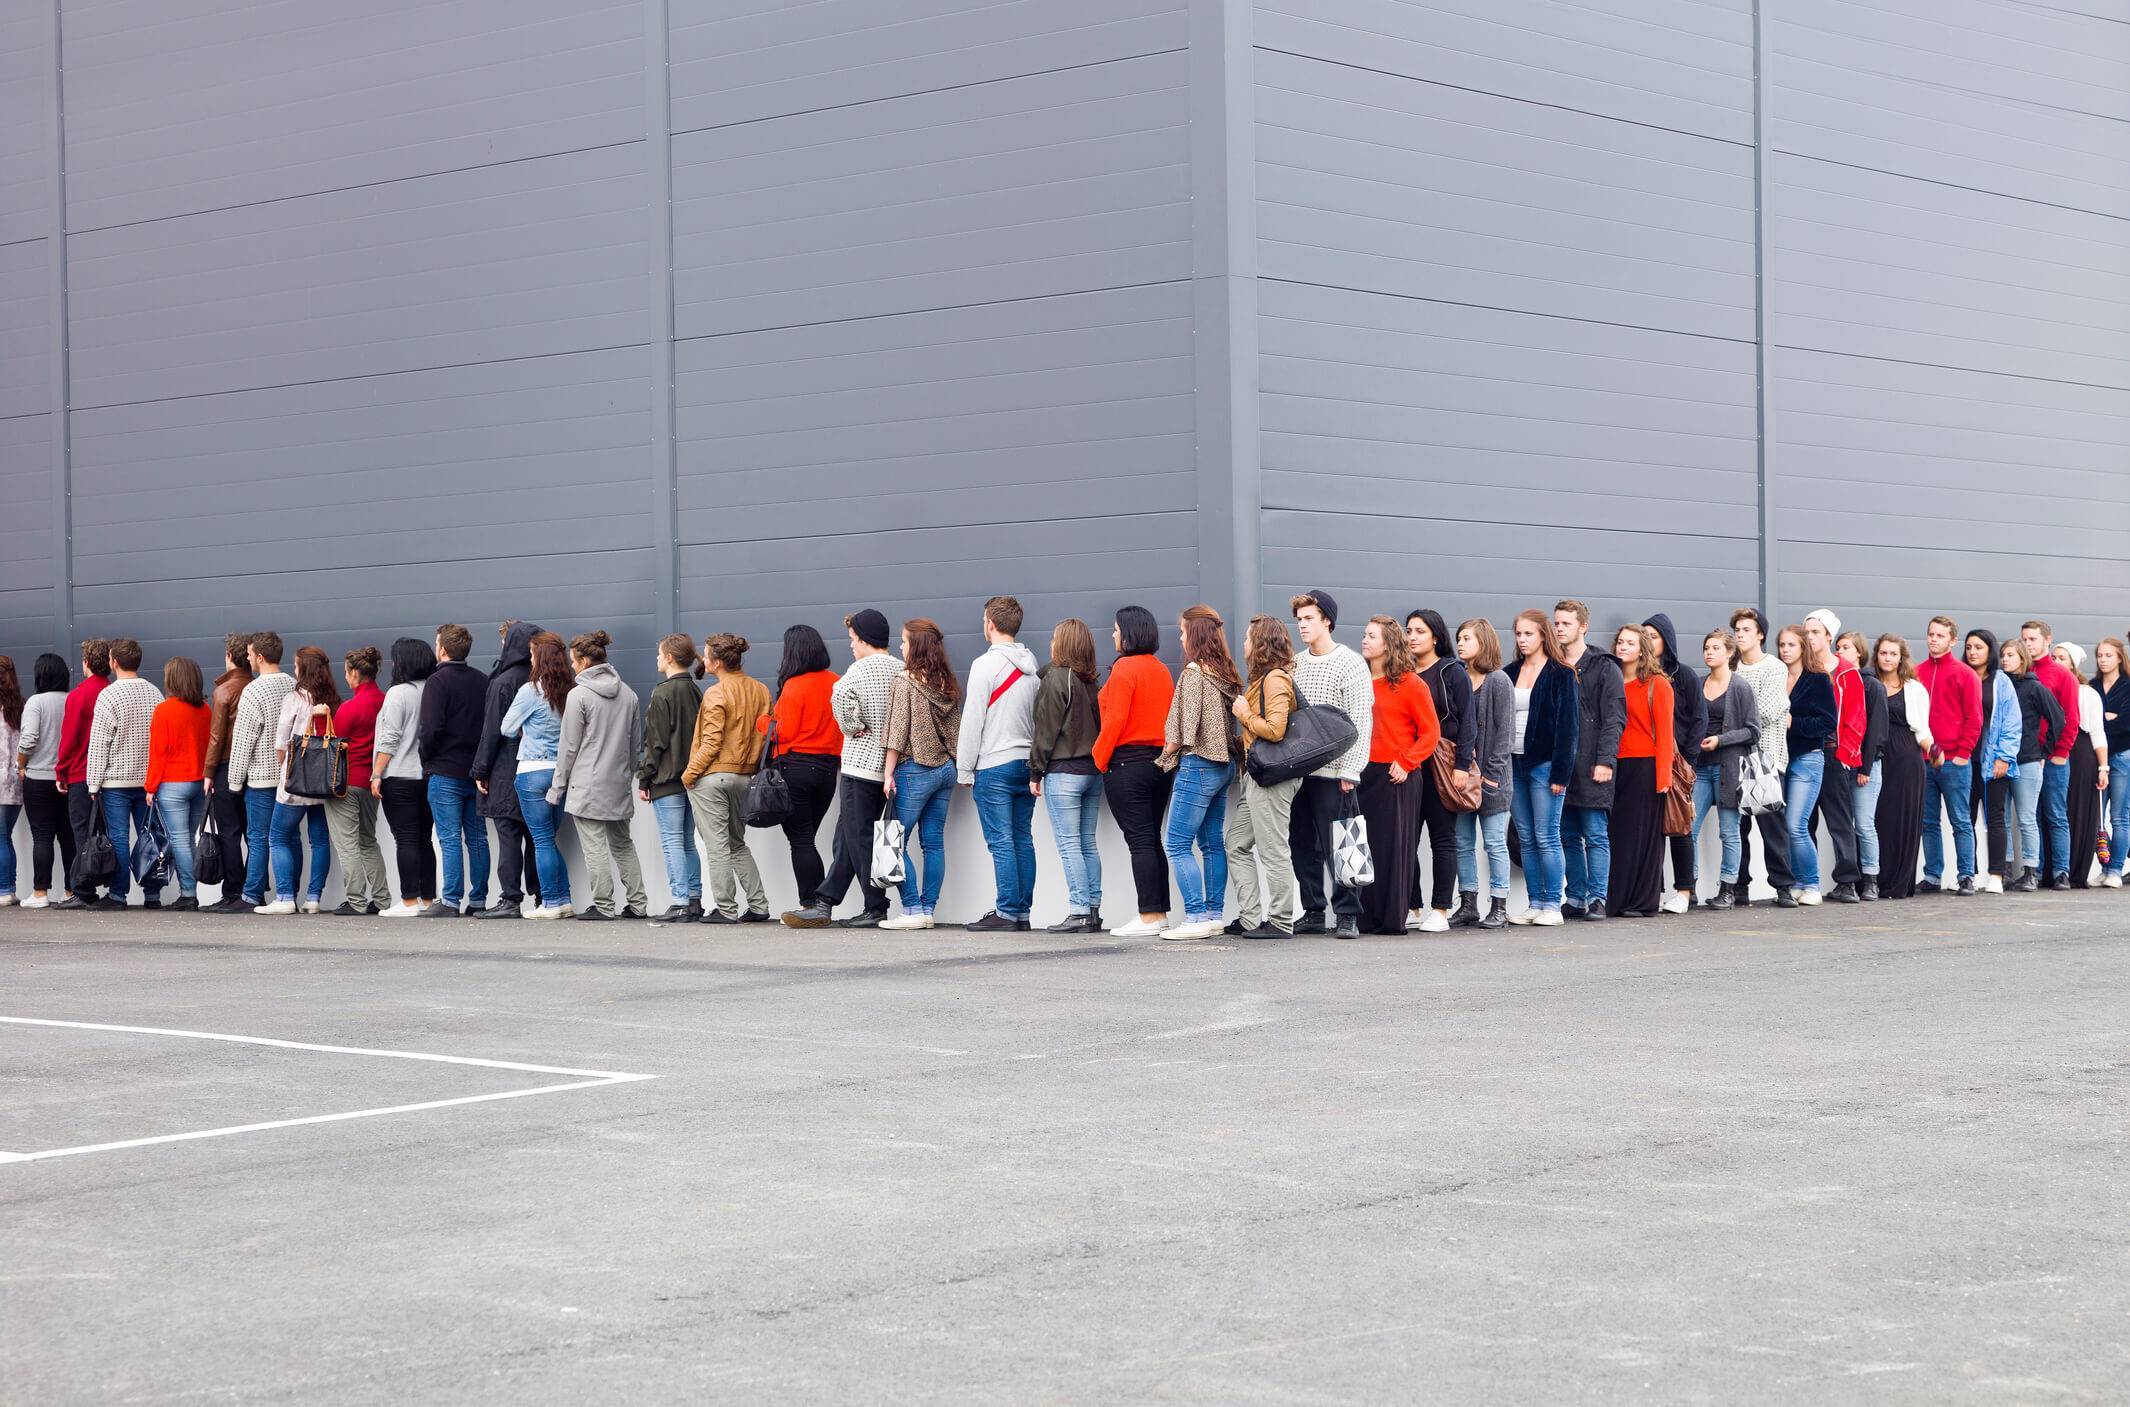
[(117, 763), (1731, 730), (602, 739), (2041, 723), (454, 704), (37, 756), (1904, 762), (1402, 737), (1955, 725), (2056, 780), (72, 769), (924, 724), (534, 722), (1813, 723), (1870, 774), (1769, 680), (992, 757), (1689, 725), (1636, 886), (227, 801), (859, 701), (308, 708), (351, 820), (1062, 771), (1258, 823), (668, 736), (11, 703), (1995, 765), (1427, 640), (809, 747), (1586, 839), (2111, 680), (1197, 749), (2089, 766), (254, 769), (1135, 708), (1841, 769), (397, 779), (493, 773), (1548, 726), (177, 768), (1490, 721), (725, 752), (1328, 675)]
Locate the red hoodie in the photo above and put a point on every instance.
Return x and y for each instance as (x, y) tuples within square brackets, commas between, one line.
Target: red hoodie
[(1955, 705), (1849, 700), (2064, 685), (72, 766)]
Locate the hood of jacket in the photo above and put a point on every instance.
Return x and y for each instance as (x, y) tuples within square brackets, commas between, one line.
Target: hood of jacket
[(1022, 657), (601, 680), (517, 649), (940, 703), (1661, 623), (1594, 659)]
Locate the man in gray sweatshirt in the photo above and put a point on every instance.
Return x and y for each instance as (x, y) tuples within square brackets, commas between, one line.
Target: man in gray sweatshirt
[(1327, 673), (997, 724)]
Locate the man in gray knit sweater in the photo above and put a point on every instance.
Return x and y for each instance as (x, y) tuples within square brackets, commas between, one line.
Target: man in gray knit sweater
[(860, 703), (118, 763), (1328, 674)]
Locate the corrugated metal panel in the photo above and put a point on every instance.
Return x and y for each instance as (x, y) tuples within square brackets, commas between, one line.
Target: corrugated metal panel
[(25, 328), (26, 627), (25, 139), (181, 107)]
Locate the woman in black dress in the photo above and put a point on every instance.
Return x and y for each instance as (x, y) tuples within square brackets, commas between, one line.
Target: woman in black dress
[(1900, 813)]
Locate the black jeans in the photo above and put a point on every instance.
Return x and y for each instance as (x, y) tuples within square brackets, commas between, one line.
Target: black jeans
[(812, 779), (81, 817), (1319, 802), (1837, 803), (515, 860), (1138, 794), (1774, 828), (858, 803), (1441, 825), (232, 825), (1994, 796), (406, 804), (47, 810)]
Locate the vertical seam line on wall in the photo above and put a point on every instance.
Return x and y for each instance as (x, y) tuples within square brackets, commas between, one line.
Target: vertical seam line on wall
[(1760, 307), (658, 166), (62, 428)]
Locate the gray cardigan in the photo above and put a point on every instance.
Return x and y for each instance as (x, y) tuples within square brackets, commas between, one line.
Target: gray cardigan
[(1490, 723), (398, 724), (1735, 725), (602, 741)]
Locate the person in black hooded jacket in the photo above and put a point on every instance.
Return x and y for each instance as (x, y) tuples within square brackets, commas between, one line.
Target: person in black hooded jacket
[(1689, 725), (495, 771), (1586, 830)]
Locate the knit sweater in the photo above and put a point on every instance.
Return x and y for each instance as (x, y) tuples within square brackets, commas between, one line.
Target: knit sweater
[(118, 734), (177, 743), (251, 740), (10, 773), (1135, 706), (1198, 721), (1404, 728), (1770, 682), (1339, 679), (1489, 725), (860, 703)]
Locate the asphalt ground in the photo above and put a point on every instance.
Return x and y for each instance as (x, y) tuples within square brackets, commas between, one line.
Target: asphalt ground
[(1871, 1154)]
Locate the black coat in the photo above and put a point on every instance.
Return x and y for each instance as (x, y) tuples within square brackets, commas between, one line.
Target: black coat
[(1875, 722), (1451, 685), (1602, 697), (496, 763), (1551, 728)]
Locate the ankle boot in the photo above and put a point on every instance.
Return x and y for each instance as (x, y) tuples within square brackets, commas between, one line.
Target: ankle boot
[(1723, 898), (1741, 895), (1497, 913), (1466, 913)]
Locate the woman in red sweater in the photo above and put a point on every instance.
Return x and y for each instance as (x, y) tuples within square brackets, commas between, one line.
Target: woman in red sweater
[(809, 747), (177, 767), (1135, 711), (351, 820), (1642, 778), (1400, 742)]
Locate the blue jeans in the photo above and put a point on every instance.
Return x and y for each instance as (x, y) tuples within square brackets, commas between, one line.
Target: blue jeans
[(2056, 809), (182, 805), (1800, 792), (123, 807), (2026, 813), (1538, 829), (1474, 829), (1006, 811), (1073, 801), (921, 797), (1586, 840), (2118, 810), (1708, 783), (541, 820), (288, 857), (258, 842), (676, 837), (1947, 784), (1198, 812), (8, 813), (1867, 820), (456, 806)]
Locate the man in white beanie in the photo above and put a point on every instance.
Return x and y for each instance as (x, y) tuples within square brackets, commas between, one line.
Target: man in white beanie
[(1845, 754)]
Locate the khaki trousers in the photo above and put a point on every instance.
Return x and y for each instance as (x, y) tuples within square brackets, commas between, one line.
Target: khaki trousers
[(351, 820), (727, 862), (1258, 817), (609, 846)]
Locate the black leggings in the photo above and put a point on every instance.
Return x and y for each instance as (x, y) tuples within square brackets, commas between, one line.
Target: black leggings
[(812, 779), (1441, 825), (46, 806), (1991, 797), (234, 827), (406, 804), (1138, 794)]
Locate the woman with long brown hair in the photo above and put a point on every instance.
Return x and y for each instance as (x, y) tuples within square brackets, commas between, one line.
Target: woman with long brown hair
[(1257, 832), (11, 702), (1402, 737), (534, 718), (1903, 761), (1813, 719), (1542, 745), (1635, 887), (924, 720), (725, 753), (1062, 771), (1197, 748), (307, 708), (177, 767)]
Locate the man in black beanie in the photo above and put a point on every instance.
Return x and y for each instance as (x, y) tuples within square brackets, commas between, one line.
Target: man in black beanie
[(860, 703)]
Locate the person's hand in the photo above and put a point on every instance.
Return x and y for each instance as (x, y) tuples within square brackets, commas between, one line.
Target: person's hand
[(643, 793), (1601, 773), (1398, 773), (62, 787), (483, 787), (1240, 708), (1957, 761), (1345, 786), (1708, 744), (2059, 762), (1559, 790), (2001, 768), (1035, 786), (887, 785), (1863, 779), (377, 787)]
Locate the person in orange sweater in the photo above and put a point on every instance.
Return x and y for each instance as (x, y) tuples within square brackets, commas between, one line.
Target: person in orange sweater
[(1400, 741), (808, 745), (1135, 712), (1636, 886), (177, 767)]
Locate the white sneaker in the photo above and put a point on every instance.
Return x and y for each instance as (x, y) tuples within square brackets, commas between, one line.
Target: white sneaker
[(1139, 928), (543, 911), (400, 911), (1417, 917), (907, 923), (36, 901), (1674, 903), (1548, 918), (1183, 932), (2107, 881), (7, 901), (1524, 916), (279, 906), (1993, 884), (310, 906), (1807, 897), (1436, 921)]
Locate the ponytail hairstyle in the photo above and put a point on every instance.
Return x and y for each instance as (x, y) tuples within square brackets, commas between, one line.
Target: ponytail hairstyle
[(10, 693), (551, 673), (681, 650), (591, 647), (314, 675), (363, 661), (1397, 655), (1205, 644), (727, 649), (1267, 646), (1547, 645), (926, 659)]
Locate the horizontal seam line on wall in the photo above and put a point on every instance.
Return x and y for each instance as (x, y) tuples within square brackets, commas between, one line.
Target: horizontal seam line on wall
[(360, 567), (357, 186), (1963, 551), (1509, 97), (1948, 185), (941, 308), (26, 239), (1497, 308), (1499, 523), (921, 92), (1946, 366), (956, 527)]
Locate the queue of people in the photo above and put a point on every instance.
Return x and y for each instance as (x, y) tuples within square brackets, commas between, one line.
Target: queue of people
[(1592, 765)]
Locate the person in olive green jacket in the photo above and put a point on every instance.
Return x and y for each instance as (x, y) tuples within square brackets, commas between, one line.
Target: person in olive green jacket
[(668, 733), (1062, 771)]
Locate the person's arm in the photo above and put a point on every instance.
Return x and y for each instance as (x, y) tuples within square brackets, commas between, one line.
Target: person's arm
[(573, 711), (1427, 730), (2052, 721), (218, 721), (431, 719), (516, 716), (1358, 695), (1567, 710), (1612, 722), (1661, 703), (1172, 727), (1113, 705), (244, 739), (846, 707), (484, 752), (1969, 689), (32, 733), (1052, 698), (657, 738), (709, 735), (969, 742), (103, 726), (159, 746), (1458, 714)]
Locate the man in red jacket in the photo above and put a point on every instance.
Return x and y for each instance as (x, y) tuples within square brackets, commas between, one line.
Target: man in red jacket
[(72, 769), (1845, 754), (1955, 727), (2056, 776)]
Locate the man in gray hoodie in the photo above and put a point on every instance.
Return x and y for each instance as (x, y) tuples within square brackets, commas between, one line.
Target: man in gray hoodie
[(997, 725)]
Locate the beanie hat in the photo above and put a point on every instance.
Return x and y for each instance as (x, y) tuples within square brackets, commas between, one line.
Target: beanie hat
[(870, 626), (1830, 621), (2077, 653), (1328, 605)]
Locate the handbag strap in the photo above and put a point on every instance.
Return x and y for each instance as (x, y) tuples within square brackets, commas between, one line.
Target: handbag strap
[(1007, 683)]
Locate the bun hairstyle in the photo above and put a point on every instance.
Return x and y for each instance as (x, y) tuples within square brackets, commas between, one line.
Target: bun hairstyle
[(681, 650), (364, 660), (591, 647), (727, 649)]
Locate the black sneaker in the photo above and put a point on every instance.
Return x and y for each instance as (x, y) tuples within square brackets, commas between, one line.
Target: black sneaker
[(639, 915), (678, 913), (715, 916), (2062, 880), (184, 905), (1312, 922), (111, 901), (70, 902), (756, 916), (1843, 894), (1785, 898), (1967, 887), (1348, 928), (1868, 891), (591, 913), (158, 903), (867, 918), (347, 910), (1071, 923), (815, 915), (501, 908), (1596, 912), (993, 922), (439, 909), (1722, 900), (1264, 930), (1572, 912)]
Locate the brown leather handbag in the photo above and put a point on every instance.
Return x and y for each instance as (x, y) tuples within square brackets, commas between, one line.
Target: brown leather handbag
[(1459, 791), (1679, 801)]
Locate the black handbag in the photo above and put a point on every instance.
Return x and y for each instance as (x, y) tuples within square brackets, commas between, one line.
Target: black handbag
[(768, 799), (317, 763), (1316, 734), (207, 850), (96, 863), (150, 860)]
